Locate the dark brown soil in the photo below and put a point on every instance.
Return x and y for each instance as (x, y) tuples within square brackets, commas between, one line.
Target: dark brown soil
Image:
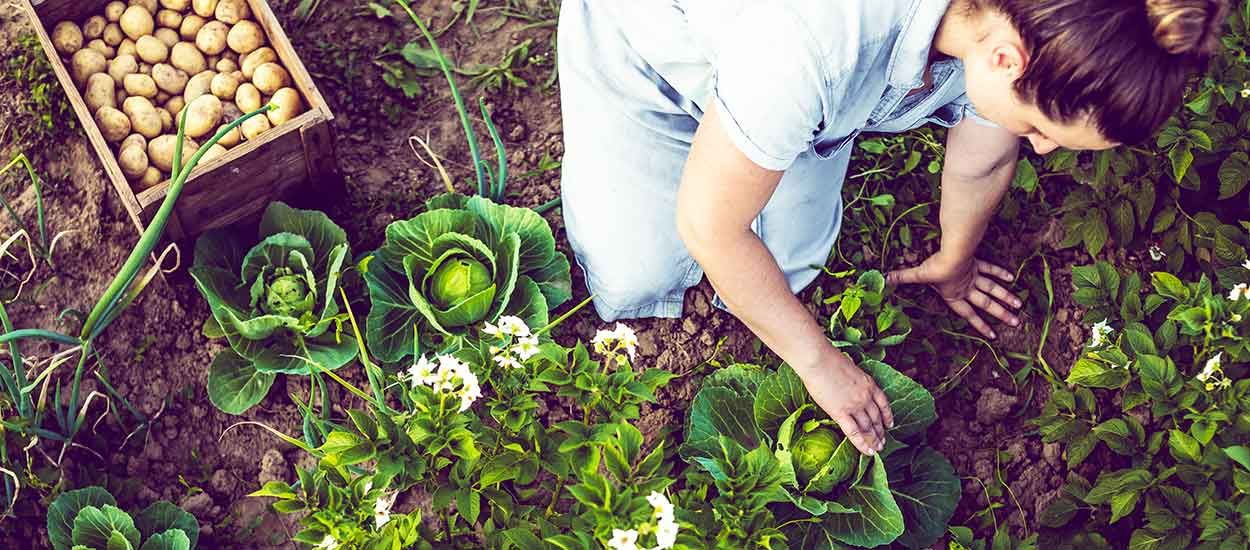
[(157, 358)]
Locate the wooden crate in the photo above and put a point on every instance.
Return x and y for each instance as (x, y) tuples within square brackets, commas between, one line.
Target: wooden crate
[(235, 185)]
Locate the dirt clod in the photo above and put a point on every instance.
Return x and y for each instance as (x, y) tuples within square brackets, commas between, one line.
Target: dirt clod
[(273, 467), (994, 405)]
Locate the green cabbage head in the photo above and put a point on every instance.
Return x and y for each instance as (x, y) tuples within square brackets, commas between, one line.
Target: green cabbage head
[(462, 262), (273, 295), (903, 496)]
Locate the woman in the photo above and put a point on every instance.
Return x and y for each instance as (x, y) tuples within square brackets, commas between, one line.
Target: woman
[(712, 137)]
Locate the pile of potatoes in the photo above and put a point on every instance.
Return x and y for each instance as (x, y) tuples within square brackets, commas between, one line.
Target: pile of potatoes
[(142, 63)]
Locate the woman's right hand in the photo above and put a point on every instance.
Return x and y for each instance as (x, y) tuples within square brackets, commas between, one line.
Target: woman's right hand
[(851, 398)]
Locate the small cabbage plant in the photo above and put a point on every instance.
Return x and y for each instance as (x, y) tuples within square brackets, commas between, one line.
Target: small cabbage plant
[(274, 302), (464, 262), (89, 518), (831, 495)]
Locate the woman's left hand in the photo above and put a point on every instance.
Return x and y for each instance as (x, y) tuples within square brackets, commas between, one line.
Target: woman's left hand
[(967, 285)]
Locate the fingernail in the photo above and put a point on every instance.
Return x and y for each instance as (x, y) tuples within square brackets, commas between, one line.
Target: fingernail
[(871, 452), (993, 336)]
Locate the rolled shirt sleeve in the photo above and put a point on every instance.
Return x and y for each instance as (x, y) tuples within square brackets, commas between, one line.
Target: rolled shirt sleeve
[(771, 88)]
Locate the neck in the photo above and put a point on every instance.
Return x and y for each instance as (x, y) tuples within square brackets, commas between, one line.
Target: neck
[(962, 28)]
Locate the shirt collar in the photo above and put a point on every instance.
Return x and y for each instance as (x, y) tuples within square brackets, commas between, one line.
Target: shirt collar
[(910, 57)]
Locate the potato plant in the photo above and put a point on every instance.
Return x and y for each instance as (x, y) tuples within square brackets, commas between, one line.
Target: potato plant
[(140, 65)]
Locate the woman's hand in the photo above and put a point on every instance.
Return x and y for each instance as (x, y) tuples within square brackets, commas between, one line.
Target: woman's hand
[(851, 397), (967, 285)]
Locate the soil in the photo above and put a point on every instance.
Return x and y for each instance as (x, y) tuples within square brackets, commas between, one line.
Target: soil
[(157, 358)]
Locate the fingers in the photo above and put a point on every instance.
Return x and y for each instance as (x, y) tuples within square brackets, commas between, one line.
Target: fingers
[(908, 276), (883, 403), (872, 415), (991, 306), (999, 292), (995, 271), (964, 309), (861, 437)]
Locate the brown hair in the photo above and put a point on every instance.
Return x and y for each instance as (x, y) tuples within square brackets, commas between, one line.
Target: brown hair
[(1124, 63)]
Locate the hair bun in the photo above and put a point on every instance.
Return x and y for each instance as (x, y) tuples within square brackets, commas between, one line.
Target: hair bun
[(1187, 26)]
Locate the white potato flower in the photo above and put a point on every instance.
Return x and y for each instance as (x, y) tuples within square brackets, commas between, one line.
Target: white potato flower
[(624, 540)]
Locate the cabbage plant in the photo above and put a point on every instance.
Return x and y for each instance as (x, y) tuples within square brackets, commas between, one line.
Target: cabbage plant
[(464, 262), (89, 518), (274, 302), (834, 496)]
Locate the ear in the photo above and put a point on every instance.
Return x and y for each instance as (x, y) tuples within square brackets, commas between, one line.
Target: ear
[(1009, 58)]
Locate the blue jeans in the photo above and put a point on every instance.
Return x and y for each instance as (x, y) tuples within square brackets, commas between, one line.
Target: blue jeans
[(627, 134)]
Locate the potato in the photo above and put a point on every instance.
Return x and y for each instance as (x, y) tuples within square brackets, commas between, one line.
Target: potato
[(212, 38), (204, 8), (145, 68), (127, 47), (191, 26), (152, 50), (247, 97), (224, 86), (113, 35), (232, 11), (99, 46), (270, 78), (175, 105), (101, 92), (161, 151), (121, 66), (238, 75), (245, 37), (200, 84), (177, 5), (213, 152), (134, 162), (226, 66), (114, 124), (114, 10), (230, 112), (141, 85), (133, 140), (186, 57), (232, 138), (167, 120), (162, 97), (137, 21), (85, 63), (254, 127), (151, 178), (288, 105), (93, 28), (169, 19), (256, 59), (168, 37), (203, 115), (143, 117), (67, 38), (169, 79), (149, 5)]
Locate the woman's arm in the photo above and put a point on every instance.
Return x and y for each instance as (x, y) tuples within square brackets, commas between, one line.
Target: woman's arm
[(721, 193), (980, 166)]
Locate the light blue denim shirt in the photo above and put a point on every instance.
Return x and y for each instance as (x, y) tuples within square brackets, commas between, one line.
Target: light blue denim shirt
[(792, 76)]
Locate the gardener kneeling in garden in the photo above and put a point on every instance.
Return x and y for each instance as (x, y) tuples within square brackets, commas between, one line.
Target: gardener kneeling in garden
[(712, 137)]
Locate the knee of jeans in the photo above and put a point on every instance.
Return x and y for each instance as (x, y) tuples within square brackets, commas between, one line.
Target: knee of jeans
[(628, 287)]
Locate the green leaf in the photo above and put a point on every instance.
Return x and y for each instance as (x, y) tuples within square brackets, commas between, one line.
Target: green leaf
[(469, 505), (718, 411), (1167, 285), (392, 316), (927, 499), (538, 256), (1124, 221), (163, 516), (1182, 158), (1159, 377), (1115, 433), (1240, 454), (321, 233), (1234, 174), (1183, 447), (880, 521), (1091, 374), (779, 396), (1123, 504), (95, 527), (1113, 483), (1026, 176), (173, 539), (65, 508), (910, 402), (1095, 232), (1140, 340), (234, 384)]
